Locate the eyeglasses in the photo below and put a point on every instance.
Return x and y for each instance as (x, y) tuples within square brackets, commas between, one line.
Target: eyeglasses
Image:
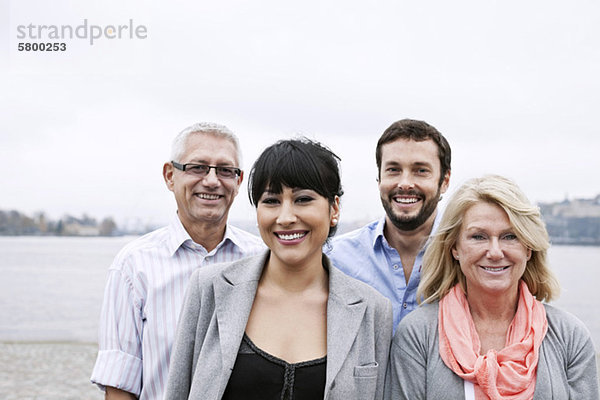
[(201, 170)]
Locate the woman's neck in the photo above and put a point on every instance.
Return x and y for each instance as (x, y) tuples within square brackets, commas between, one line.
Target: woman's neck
[(492, 315), (294, 279), (493, 307)]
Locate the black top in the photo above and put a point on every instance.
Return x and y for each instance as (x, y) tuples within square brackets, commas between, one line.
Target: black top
[(257, 375)]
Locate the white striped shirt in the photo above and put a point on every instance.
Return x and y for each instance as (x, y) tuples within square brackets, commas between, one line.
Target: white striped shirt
[(142, 301)]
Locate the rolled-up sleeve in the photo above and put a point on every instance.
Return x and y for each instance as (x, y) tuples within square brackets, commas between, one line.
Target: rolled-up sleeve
[(119, 361)]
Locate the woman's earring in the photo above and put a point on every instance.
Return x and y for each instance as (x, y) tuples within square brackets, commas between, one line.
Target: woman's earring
[(334, 221)]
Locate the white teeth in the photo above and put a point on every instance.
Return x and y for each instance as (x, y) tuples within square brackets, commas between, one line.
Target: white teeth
[(406, 201), (207, 196), (495, 269), (293, 236)]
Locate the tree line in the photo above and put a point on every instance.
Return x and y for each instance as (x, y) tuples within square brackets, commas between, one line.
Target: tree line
[(14, 223)]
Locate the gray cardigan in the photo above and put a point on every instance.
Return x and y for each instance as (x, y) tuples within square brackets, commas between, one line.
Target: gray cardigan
[(215, 313), (566, 367)]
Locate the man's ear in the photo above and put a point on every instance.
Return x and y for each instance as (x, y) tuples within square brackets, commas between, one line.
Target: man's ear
[(168, 175), (445, 183), (238, 184)]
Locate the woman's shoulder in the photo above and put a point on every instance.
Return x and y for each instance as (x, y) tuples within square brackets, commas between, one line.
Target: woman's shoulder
[(420, 322), (417, 332), (425, 314), (342, 282), (564, 324), (569, 354), (246, 268)]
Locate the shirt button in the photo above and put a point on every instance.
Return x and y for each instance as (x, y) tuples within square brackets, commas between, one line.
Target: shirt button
[(404, 305), (395, 266)]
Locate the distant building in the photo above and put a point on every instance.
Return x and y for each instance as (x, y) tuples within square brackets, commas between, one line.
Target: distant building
[(77, 229), (573, 221), (577, 208)]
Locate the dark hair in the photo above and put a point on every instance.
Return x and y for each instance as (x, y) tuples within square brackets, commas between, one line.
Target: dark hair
[(418, 131), (296, 163)]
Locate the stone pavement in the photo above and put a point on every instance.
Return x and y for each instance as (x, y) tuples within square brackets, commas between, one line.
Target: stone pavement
[(47, 371)]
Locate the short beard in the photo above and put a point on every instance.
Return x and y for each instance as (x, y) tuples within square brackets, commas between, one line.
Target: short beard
[(409, 223)]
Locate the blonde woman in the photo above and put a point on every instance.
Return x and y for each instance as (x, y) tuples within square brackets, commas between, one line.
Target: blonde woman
[(483, 332)]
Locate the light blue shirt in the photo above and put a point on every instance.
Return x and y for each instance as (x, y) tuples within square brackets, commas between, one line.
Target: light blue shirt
[(366, 255)]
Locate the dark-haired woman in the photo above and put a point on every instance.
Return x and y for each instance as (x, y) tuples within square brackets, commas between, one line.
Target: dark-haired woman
[(286, 324)]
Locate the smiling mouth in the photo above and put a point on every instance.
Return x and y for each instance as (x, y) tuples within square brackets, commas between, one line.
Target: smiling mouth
[(495, 269), (291, 236), (208, 196), (406, 200)]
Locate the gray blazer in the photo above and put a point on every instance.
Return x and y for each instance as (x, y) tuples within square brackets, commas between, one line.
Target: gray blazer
[(215, 313)]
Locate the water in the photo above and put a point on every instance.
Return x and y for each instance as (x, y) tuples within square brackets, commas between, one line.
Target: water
[(578, 271), (51, 288)]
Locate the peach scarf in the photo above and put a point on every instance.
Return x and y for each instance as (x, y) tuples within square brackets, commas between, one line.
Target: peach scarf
[(506, 374)]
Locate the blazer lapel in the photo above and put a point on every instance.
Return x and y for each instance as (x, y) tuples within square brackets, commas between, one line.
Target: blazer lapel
[(345, 311), (234, 294)]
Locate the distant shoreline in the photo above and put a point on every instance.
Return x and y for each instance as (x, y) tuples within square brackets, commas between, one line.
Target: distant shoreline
[(553, 241)]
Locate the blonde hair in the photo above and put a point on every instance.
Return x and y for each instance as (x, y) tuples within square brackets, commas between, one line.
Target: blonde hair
[(441, 272)]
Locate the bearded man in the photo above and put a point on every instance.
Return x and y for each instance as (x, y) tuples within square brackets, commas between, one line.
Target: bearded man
[(413, 163)]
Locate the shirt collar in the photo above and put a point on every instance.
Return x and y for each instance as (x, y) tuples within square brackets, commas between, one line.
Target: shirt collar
[(232, 236), (380, 238), (178, 236), (434, 228)]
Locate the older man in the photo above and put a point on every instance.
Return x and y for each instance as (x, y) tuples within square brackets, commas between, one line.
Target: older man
[(147, 279), (413, 163)]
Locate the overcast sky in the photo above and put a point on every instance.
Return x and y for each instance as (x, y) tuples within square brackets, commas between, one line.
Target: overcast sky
[(514, 86)]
